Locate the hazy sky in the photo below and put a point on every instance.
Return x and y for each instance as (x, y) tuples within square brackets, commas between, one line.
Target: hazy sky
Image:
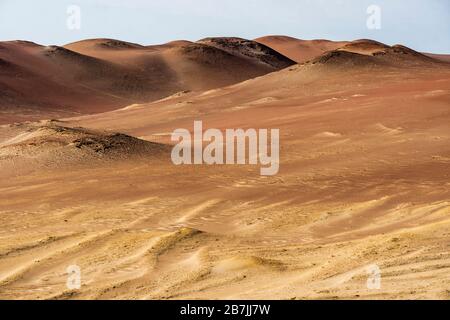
[(421, 24)]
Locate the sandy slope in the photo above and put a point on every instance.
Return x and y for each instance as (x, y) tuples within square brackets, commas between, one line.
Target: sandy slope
[(364, 179)]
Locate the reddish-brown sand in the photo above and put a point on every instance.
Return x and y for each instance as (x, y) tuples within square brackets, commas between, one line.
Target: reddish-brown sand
[(364, 180)]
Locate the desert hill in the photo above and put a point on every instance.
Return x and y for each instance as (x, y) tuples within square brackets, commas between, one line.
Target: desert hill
[(50, 144)]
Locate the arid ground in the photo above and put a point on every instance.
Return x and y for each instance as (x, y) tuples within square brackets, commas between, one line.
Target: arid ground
[(86, 176)]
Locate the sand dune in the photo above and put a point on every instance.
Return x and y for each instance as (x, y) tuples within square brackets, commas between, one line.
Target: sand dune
[(363, 182), (250, 50), (42, 82), (300, 50), (49, 144), (305, 50), (98, 75)]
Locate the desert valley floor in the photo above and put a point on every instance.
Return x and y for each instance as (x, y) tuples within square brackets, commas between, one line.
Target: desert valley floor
[(364, 172)]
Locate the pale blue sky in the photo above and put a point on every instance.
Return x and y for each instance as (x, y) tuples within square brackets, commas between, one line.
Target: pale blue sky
[(421, 24)]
